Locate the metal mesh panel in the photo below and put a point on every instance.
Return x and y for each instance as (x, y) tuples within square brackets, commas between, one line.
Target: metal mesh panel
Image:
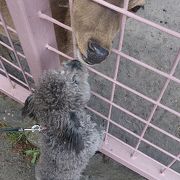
[(136, 100)]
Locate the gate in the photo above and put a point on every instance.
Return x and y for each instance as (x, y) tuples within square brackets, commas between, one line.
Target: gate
[(34, 26)]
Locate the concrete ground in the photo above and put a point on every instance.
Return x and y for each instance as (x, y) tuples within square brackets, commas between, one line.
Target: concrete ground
[(150, 46)]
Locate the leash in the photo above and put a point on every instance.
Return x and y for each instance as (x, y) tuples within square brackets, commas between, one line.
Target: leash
[(18, 129)]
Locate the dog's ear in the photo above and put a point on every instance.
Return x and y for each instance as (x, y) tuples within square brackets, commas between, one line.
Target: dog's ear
[(71, 135), (28, 109)]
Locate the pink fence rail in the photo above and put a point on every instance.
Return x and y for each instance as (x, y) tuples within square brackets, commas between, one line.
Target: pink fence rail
[(41, 53)]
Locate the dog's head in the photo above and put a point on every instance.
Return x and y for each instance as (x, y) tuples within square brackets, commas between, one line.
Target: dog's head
[(76, 87), (66, 89), (95, 27)]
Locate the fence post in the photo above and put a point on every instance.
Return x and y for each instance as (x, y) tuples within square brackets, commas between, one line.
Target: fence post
[(34, 33)]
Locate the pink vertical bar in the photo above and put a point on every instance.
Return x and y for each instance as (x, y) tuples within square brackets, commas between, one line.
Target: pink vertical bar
[(176, 61), (122, 29), (34, 33), (14, 50)]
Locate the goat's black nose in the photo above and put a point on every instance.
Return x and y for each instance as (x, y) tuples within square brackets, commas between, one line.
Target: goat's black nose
[(96, 53), (75, 64)]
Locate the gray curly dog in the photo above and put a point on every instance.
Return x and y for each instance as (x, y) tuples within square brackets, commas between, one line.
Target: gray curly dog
[(70, 138)]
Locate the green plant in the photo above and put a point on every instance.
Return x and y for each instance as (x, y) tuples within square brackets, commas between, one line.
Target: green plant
[(16, 137), (33, 153), (19, 139), (21, 144)]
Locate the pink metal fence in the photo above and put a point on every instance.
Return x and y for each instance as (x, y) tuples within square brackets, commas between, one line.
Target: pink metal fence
[(41, 53)]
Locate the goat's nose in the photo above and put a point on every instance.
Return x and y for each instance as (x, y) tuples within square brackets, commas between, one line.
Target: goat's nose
[(96, 53)]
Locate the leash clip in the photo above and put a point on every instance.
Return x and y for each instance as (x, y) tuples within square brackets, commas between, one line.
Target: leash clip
[(34, 128)]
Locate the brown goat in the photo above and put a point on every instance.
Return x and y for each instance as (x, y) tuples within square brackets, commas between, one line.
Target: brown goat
[(95, 26)]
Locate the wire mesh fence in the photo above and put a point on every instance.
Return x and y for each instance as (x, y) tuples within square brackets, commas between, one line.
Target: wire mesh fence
[(135, 99)]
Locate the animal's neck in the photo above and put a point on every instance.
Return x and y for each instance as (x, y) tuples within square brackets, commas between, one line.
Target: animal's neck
[(60, 11)]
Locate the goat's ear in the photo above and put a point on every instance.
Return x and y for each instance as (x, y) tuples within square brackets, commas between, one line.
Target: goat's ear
[(71, 135), (28, 109)]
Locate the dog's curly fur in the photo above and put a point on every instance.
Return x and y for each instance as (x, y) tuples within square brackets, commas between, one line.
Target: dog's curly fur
[(70, 138)]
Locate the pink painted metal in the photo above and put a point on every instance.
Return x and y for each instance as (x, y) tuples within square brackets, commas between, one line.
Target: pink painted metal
[(50, 19), (135, 92), (7, 75), (18, 93), (122, 29), (13, 65), (39, 45), (13, 48), (138, 18), (176, 62), (10, 48), (9, 28), (166, 75), (34, 34), (58, 52), (141, 163), (170, 164)]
